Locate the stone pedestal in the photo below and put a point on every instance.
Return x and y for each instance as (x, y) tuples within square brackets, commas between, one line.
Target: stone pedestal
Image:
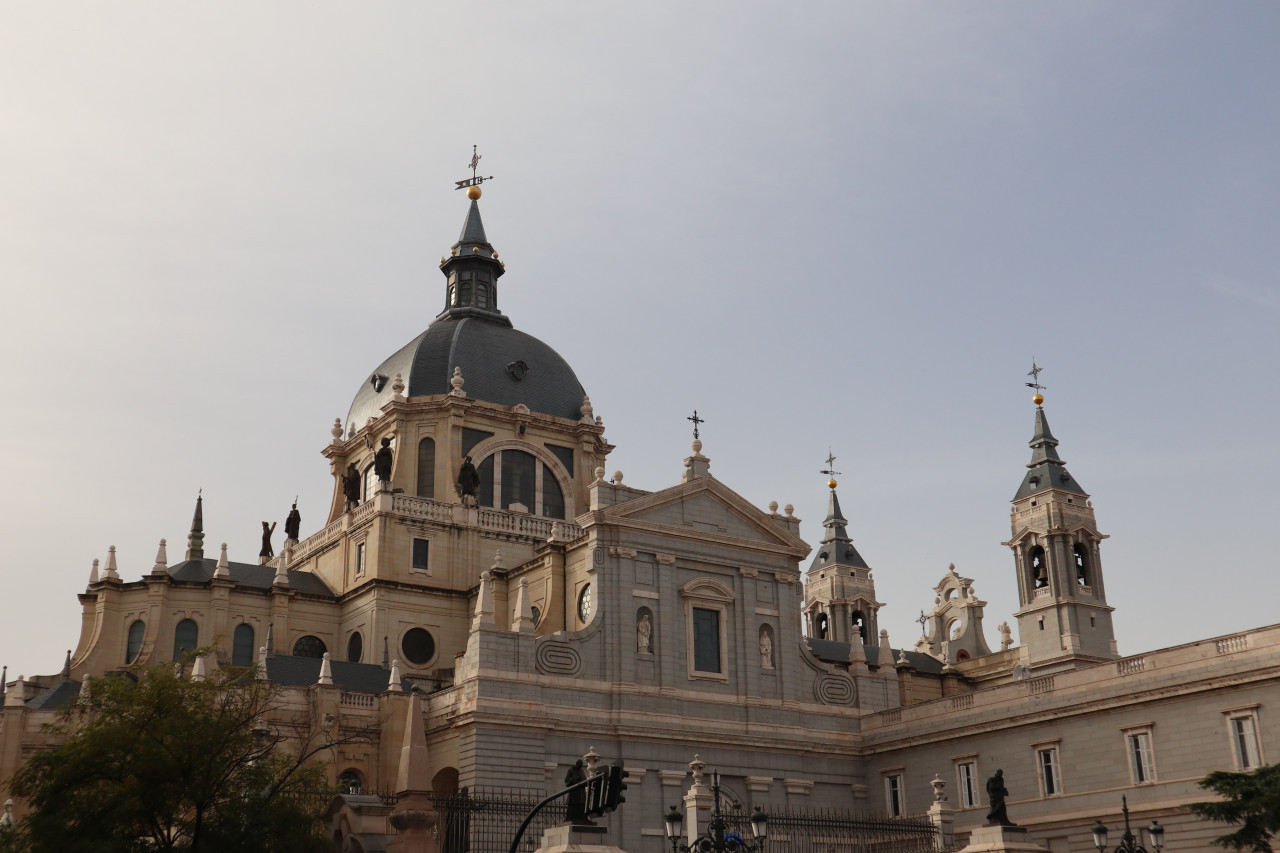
[(573, 838), (998, 839)]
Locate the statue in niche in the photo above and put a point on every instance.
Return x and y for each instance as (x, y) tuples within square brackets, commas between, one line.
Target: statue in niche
[(293, 523), (996, 792), (468, 481), (766, 649), (382, 462), (267, 551), (351, 486), (1006, 636), (576, 807), (644, 634)]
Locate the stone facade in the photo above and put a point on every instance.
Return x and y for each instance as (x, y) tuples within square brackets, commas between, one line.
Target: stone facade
[(555, 610)]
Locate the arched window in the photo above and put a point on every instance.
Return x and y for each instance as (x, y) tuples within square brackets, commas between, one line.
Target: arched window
[(427, 468), (821, 626), (482, 295), (1082, 564), (1037, 570), (518, 485), (186, 637), (134, 647), (368, 484), (309, 647), (453, 293), (552, 495), (464, 289), (860, 624), (355, 647), (484, 473), (961, 655), (351, 781), (242, 645)]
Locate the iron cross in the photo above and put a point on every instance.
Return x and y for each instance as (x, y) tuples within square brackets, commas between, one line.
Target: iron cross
[(474, 180), (696, 421), (1034, 373), (923, 619), (830, 470)]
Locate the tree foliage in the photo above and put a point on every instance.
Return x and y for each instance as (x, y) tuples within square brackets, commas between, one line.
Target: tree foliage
[(170, 763), (1250, 801)]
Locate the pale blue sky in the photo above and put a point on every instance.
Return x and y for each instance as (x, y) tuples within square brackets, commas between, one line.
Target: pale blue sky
[(848, 225)]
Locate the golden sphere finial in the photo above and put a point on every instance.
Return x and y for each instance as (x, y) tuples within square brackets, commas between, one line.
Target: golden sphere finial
[(831, 484), (1038, 398), (473, 192)]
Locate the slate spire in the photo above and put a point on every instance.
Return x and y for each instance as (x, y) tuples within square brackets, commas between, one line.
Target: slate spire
[(195, 539), (836, 548), (472, 270), (1046, 470)]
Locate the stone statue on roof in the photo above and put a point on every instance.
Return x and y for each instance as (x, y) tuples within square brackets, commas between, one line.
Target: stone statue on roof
[(468, 479), (293, 523), (382, 461), (267, 551), (351, 486)]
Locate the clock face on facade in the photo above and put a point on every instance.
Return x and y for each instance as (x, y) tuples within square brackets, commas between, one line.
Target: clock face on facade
[(584, 604)]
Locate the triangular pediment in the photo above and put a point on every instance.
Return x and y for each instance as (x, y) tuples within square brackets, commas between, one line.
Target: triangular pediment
[(707, 507)]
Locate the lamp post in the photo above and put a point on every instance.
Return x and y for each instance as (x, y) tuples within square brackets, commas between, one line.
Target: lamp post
[(716, 839), (1129, 842)]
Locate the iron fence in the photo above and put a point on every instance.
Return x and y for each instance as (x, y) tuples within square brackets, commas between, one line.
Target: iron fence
[(833, 831), (484, 820)]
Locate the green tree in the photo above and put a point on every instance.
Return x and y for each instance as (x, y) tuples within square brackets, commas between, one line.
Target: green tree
[(155, 761), (1250, 801)]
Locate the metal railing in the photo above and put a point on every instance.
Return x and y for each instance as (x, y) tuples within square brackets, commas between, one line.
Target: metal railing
[(834, 831)]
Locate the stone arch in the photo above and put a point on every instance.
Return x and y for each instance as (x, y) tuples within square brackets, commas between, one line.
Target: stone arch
[(708, 588), (488, 449), (445, 781), (1037, 567)]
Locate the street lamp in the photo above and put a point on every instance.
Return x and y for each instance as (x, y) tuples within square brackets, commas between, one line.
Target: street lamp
[(1129, 842), (716, 839)]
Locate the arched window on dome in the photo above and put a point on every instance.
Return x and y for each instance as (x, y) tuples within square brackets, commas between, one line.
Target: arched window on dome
[(519, 472), (427, 468), (242, 645), (186, 638), (464, 288), (482, 295), (552, 495), (134, 646)]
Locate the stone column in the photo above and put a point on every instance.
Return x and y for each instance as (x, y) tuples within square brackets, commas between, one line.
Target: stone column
[(697, 802)]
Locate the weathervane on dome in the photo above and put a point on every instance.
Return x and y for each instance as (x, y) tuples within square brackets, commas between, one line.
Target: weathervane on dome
[(1034, 373), (830, 470), (472, 185)]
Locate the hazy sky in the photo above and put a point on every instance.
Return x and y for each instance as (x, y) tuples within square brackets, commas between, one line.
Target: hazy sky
[(846, 225)]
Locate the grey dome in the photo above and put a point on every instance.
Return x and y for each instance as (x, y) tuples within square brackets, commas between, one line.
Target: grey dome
[(490, 355)]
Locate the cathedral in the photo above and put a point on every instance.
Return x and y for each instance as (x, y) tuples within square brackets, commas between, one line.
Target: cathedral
[(483, 585)]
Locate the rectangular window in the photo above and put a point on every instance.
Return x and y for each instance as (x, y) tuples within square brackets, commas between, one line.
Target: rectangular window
[(1141, 766), (893, 799), (420, 552), (564, 455), (967, 773), (1050, 781), (360, 558), (1244, 741), (706, 640)]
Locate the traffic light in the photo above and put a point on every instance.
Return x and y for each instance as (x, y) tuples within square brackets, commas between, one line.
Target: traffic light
[(604, 792)]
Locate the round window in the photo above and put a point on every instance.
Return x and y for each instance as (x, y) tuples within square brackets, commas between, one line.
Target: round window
[(418, 646), (584, 604), (355, 647)]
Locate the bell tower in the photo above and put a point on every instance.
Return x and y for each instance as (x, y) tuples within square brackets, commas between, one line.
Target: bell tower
[(1063, 616), (840, 595)]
